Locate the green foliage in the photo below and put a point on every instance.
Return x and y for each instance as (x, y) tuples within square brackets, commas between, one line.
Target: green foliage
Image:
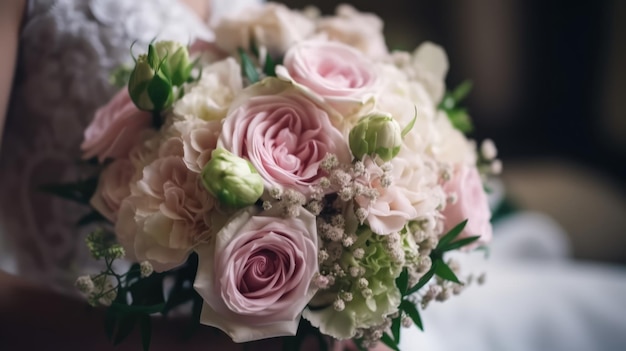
[(248, 69), (80, 191), (458, 115)]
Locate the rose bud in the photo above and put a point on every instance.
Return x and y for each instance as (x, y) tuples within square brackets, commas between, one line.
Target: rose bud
[(173, 60), (376, 134), (232, 179)]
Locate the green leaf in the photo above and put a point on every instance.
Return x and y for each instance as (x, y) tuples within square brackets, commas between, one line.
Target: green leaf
[(459, 243), (409, 126), (443, 271), (110, 320), (402, 282), (247, 67), (451, 235), (460, 119), (395, 328), (424, 279), (136, 309), (91, 217), (410, 309), (124, 326), (270, 66), (462, 90), (387, 340), (145, 326), (80, 191)]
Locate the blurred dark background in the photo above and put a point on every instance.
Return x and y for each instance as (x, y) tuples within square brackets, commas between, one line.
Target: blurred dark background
[(549, 88)]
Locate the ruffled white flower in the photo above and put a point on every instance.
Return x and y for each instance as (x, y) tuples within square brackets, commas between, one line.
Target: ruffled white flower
[(210, 97)]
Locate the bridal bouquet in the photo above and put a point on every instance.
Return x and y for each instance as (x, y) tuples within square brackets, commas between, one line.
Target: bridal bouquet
[(293, 172)]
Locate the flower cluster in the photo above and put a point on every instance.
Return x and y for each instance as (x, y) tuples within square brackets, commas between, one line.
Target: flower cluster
[(311, 171)]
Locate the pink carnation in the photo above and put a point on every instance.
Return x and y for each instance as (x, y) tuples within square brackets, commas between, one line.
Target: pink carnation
[(115, 128), (391, 210)]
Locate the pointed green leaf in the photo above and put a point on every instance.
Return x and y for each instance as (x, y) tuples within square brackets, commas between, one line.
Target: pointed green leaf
[(459, 243), (451, 235), (443, 271), (270, 66), (395, 328), (80, 191), (125, 325), (462, 90), (110, 320), (387, 340), (247, 67), (460, 119), (145, 326), (135, 310), (402, 282), (410, 126), (424, 279), (91, 217), (410, 309)]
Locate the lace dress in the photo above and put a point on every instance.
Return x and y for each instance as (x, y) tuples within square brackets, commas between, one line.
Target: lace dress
[(68, 49)]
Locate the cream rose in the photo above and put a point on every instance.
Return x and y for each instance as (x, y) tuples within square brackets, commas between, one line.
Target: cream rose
[(272, 26), (362, 31), (209, 98)]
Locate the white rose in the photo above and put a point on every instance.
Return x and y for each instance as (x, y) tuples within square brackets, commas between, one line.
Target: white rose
[(428, 65), (405, 100), (363, 31), (273, 26), (451, 145), (210, 97)]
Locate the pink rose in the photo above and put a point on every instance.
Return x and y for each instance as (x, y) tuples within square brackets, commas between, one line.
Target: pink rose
[(283, 133), (391, 210), (344, 77), (256, 280), (113, 187), (166, 215), (115, 128), (471, 204)]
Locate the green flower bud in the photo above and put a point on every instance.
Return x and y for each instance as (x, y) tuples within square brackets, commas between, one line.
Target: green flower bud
[(376, 134), (173, 60), (232, 179), (138, 83)]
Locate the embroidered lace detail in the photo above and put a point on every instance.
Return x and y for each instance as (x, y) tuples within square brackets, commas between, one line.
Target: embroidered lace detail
[(68, 50)]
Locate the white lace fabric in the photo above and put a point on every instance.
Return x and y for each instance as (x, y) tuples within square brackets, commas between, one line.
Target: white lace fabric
[(68, 49)]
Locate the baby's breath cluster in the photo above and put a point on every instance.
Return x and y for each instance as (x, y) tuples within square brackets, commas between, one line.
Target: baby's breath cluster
[(488, 163)]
